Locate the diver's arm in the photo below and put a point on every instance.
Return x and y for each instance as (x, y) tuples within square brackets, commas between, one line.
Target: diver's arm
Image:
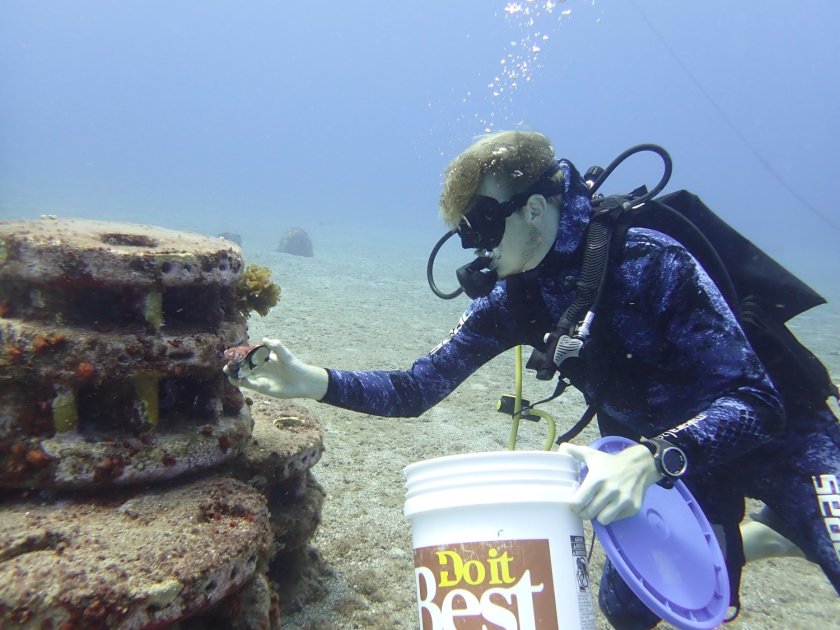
[(708, 345), (476, 340), (481, 334)]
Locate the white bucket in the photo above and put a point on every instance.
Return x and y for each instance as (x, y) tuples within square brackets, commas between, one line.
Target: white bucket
[(495, 545)]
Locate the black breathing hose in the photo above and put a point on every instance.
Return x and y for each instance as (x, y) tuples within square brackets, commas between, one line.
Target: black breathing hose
[(430, 270), (654, 148)]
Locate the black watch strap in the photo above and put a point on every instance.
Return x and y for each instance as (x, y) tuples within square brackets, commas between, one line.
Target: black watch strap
[(670, 460)]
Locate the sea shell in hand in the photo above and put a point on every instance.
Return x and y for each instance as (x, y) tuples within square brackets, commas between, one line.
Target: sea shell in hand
[(242, 360)]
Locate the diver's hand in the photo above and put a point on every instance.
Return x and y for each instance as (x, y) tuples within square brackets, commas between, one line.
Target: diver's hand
[(284, 375), (615, 485)]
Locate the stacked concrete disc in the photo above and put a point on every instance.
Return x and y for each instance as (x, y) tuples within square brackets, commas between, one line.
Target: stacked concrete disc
[(130, 559), (286, 443), (111, 348), (112, 338)]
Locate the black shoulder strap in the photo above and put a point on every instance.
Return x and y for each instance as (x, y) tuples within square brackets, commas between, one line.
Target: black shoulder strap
[(588, 288)]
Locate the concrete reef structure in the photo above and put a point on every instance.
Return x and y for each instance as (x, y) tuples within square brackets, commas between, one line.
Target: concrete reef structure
[(111, 342), (137, 490)]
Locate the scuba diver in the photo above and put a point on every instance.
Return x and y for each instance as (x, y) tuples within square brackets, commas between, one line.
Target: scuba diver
[(654, 345)]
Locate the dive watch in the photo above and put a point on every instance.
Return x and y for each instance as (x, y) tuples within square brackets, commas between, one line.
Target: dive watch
[(670, 460)]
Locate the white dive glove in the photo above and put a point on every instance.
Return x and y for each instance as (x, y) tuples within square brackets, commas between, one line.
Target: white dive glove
[(284, 376), (615, 485)]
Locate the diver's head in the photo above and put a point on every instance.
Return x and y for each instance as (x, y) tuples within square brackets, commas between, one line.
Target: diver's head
[(502, 196)]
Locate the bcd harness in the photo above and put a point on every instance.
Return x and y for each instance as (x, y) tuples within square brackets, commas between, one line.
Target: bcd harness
[(762, 294)]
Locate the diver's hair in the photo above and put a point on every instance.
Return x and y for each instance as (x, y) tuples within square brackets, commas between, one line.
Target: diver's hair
[(520, 156)]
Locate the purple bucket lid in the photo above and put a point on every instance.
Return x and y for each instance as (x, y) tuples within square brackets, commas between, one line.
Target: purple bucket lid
[(668, 554)]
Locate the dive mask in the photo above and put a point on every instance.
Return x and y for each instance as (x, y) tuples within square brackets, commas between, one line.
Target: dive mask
[(483, 224), (481, 228)]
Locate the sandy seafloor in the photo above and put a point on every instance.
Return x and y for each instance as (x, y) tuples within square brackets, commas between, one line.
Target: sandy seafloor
[(363, 303)]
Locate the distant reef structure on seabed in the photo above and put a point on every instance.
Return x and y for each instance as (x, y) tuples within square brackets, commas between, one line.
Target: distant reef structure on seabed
[(139, 488), (297, 242), (232, 236)]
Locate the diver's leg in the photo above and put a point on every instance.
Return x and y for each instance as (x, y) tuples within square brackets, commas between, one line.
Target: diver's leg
[(762, 538), (620, 605), (801, 485)]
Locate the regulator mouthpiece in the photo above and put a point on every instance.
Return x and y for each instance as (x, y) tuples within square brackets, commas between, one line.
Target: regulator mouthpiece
[(476, 278)]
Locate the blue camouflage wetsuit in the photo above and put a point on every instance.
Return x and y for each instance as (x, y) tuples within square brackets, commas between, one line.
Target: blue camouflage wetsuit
[(666, 356)]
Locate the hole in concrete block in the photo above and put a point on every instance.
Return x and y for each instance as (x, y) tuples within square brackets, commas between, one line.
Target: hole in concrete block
[(187, 399), (128, 240), (118, 408), (110, 409), (193, 307)]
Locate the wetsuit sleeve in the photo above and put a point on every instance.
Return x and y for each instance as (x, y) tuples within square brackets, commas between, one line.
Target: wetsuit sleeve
[(480, 335), (706, 342)]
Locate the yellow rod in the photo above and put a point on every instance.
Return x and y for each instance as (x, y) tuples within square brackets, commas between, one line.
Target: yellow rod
[(517, 402)]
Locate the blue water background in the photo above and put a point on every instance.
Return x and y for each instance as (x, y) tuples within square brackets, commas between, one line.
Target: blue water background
[(255, 116)]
